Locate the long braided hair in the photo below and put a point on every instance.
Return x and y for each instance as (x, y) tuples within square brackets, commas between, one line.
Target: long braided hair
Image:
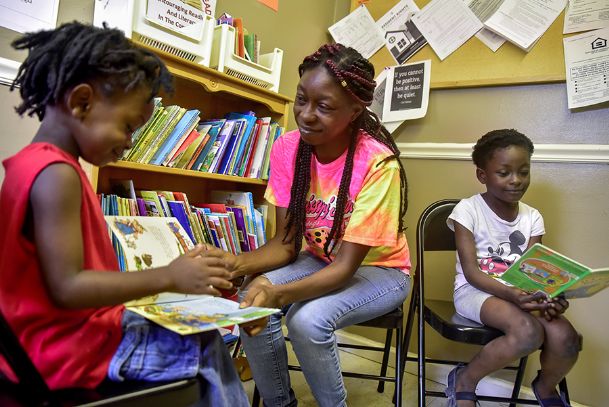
[(75, 53), (355, 74)]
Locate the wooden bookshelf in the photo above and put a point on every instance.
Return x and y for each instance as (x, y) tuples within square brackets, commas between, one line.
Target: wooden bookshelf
[(214, 94)]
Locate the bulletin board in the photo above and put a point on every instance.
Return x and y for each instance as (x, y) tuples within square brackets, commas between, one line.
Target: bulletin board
[(474, 64)]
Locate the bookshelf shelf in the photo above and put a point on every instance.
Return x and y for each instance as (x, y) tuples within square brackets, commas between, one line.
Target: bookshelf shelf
[(214, 94), (131, 166)]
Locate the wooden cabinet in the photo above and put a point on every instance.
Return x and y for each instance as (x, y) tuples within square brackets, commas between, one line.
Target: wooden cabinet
[(214, 94)]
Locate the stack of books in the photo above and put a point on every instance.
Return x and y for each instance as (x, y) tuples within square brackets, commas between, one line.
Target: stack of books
[(230, 221), (238, 144)]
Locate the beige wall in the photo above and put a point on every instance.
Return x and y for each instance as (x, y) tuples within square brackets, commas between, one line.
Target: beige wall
[(574, 198)]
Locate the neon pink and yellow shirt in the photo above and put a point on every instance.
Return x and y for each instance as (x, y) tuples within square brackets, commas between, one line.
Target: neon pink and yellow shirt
[(372, 210)]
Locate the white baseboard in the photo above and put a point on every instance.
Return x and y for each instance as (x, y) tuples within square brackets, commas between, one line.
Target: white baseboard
[(437, 373)]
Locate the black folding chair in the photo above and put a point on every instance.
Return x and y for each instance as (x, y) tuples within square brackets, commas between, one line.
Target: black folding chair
[(31, 390), (392, 321), (433, 235)]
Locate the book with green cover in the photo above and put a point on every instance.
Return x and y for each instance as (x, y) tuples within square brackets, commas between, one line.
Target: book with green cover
[(149, 242), (543, 269), (174, 115)]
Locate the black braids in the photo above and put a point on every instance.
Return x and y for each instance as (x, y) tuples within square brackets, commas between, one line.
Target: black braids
[(76, 53), (373, 126), (496, 139), (296, 212), (341, 199)]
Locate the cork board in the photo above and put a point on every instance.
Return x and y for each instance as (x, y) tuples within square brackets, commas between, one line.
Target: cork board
[(474, 64)]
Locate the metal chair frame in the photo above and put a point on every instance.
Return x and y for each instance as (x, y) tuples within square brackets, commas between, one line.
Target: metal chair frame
[(391, 321), (433, 235)]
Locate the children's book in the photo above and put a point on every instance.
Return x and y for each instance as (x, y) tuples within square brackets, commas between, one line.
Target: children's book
[(543, 269), (199, 156), (148, 242)]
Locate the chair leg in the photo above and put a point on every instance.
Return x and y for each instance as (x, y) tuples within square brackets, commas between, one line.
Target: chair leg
[(256, 397), (381, 386), (518, 380), (562, 387), (421, 360), (399, 368)]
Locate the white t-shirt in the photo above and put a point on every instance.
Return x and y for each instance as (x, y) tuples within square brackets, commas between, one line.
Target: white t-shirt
[(498, 242)]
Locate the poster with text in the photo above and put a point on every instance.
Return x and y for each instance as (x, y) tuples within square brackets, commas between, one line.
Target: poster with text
[(406, 91)]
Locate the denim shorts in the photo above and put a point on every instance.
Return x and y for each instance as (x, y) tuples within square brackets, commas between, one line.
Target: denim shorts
[(468, 301)]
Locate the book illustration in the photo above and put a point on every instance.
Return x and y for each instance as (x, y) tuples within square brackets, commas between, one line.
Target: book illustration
[(198, 315), (543, 269), (544, 273), (149, 242), (129, 229)]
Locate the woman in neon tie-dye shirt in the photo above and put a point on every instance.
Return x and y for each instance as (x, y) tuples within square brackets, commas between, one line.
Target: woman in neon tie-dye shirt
[(337, 182)]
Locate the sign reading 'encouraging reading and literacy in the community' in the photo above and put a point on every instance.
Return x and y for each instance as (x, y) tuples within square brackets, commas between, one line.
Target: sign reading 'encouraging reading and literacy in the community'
[(177, 16)]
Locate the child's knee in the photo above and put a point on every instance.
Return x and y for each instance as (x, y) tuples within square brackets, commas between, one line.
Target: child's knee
[(569, 341), (528, 336)]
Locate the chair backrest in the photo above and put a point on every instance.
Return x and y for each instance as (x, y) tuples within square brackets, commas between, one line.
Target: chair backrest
[(433, 234), (30, 380)]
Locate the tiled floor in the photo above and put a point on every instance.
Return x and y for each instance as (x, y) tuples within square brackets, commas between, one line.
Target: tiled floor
[(362, 393)]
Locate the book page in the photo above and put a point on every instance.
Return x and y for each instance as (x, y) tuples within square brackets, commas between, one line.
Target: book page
[(591, 284), (201, 314), (150, 242), (543, 269)]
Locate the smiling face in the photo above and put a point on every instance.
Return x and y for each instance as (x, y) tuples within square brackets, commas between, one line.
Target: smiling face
[(106, 124), (324, 111), (506, 176)]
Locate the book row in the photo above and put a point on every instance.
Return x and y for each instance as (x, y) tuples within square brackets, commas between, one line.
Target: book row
[(230, 221), (238, 144)]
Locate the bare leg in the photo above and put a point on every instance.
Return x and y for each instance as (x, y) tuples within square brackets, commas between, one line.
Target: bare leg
[(523, 335), (558, 355)]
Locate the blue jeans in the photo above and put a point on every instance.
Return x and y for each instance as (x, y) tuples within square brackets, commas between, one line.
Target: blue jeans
[(372, 291), (149, 352)]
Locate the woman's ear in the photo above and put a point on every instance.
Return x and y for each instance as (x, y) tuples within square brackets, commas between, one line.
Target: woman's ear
[(358, 109), (79, 100)]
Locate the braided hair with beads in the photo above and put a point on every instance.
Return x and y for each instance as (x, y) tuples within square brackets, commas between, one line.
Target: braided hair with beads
[(75, 53), (355, 74)]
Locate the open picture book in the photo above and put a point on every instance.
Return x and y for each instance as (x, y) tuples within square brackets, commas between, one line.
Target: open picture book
[(543, 269), (143, 242)]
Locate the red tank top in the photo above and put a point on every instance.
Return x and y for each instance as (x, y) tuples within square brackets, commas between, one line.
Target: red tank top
[(70, 348)]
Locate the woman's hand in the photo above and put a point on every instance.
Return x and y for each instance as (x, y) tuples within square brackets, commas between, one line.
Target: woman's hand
[(254, 327), (261, 293)]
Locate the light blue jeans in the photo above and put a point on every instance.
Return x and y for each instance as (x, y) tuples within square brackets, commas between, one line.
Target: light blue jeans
[(149, 352), (372, 291)]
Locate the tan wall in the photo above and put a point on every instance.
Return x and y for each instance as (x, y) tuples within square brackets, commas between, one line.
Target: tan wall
[(573, 198)]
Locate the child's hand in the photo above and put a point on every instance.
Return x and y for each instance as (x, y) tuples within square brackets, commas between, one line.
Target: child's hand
[(199, 271), (527, 301), (254, 327), (556, 306)]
